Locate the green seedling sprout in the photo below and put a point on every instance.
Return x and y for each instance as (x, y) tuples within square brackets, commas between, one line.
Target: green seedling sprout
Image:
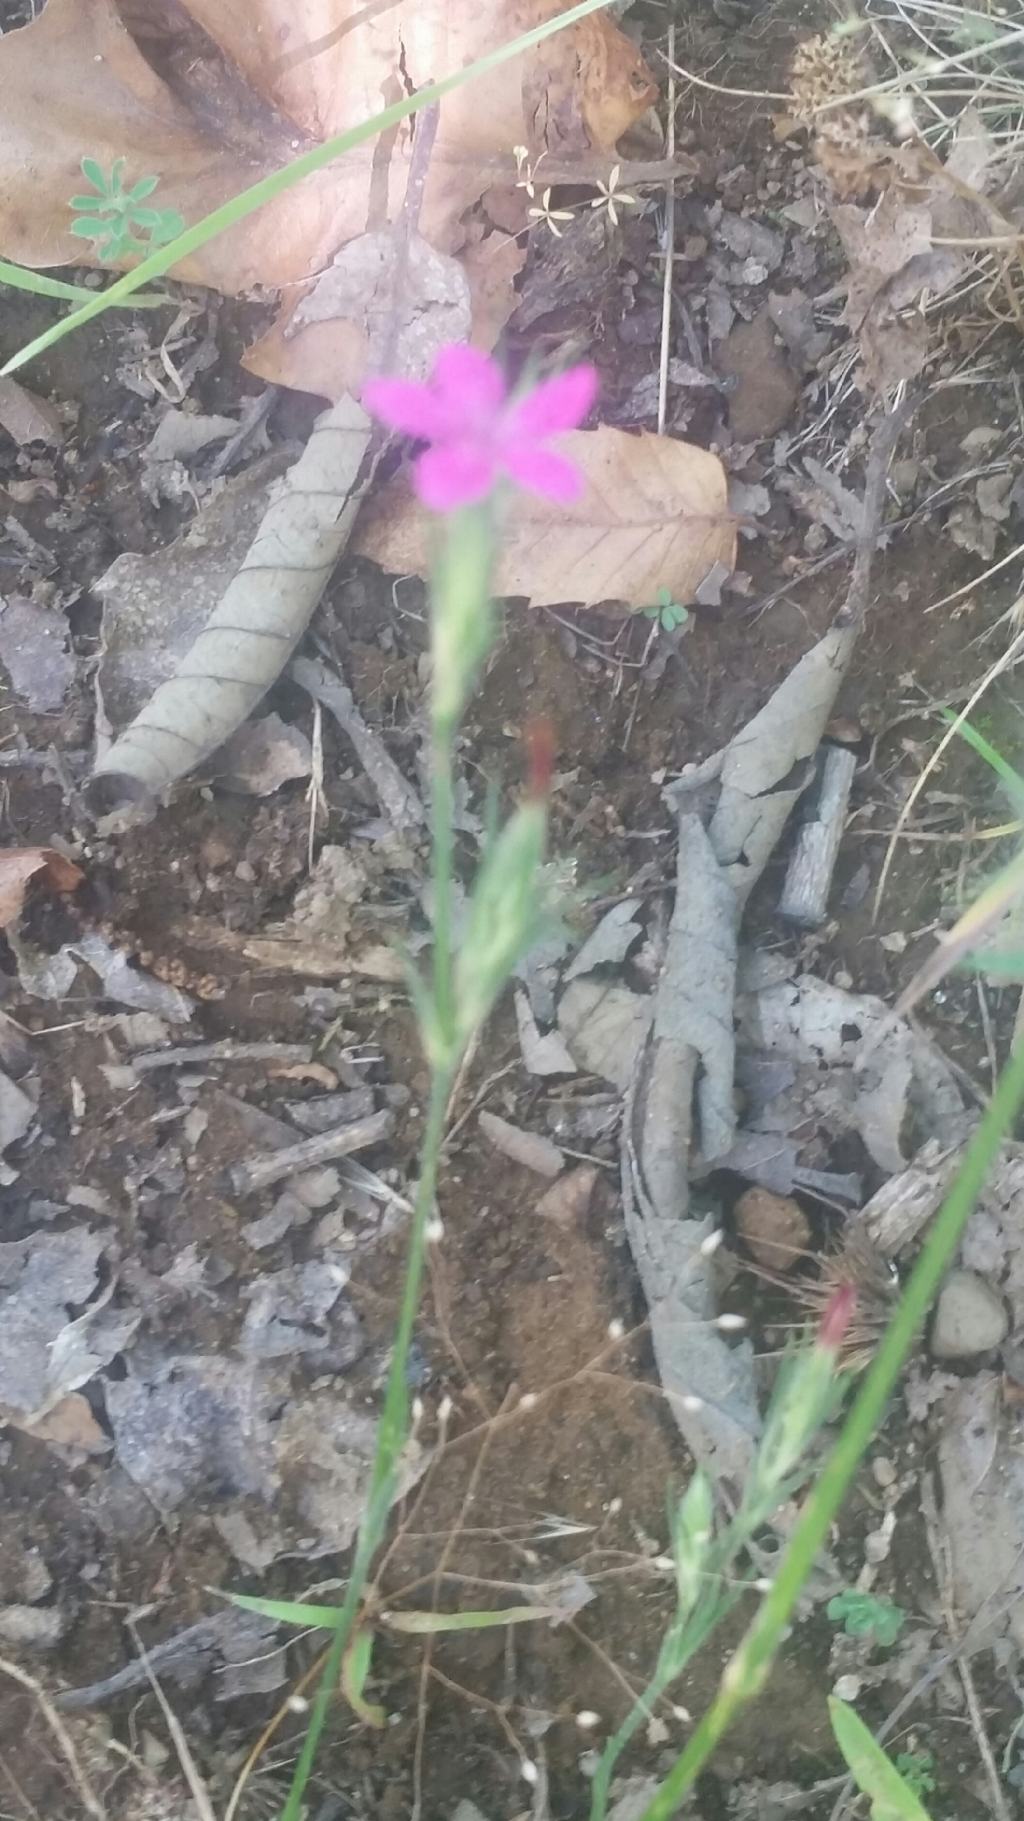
[(865, 1615), (119, 221), (669, 614)]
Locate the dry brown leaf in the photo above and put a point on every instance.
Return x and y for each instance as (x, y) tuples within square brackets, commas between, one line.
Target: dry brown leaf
[(70, 1424), (83, 78), (653, 515), (18, 865), (26, 417)]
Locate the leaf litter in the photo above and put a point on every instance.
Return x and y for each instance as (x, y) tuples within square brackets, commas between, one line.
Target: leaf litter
[(107, 94), (887, 1117)]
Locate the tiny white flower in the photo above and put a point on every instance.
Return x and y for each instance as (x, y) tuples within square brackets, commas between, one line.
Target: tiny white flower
[(586, 1719), (731, 1324), (611, 195), (549, 216)]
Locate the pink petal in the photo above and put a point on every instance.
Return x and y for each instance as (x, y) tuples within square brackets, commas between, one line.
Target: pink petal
[(413, 410), (556, 404), (454, 474), (470, 383), (543, 472)]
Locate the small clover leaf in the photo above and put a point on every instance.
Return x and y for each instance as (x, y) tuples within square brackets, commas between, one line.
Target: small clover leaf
[(669, 613), (867, 1614)]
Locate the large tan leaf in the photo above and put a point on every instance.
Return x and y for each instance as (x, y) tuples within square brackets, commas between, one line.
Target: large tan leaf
[(653, 516), (281, 74)]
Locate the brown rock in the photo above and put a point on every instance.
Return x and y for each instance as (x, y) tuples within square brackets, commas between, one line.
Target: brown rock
[(567, 1200), (774, 1228), (766, 387)]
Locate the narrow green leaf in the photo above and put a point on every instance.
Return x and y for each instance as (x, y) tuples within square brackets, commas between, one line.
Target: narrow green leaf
[(354, 1670), (427, 1623), (749, 1666), (1004, 771), (90, 227), (22, 278), (874, 1773), (289, 1612), (93, 170), (145, 187)]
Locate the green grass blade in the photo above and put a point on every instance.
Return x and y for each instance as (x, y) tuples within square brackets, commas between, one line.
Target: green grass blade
[(426, 1624), (354, 1673), (22, 278), (748, 1670), (288, 1612), (1008, 777), (892, 1799), (280, 181)]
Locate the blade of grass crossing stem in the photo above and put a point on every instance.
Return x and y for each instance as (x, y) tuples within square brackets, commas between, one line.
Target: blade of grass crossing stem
[(247, 201), (391, 1434), (1004, 771), (870, 1767), (23, 278), (745, 1674)]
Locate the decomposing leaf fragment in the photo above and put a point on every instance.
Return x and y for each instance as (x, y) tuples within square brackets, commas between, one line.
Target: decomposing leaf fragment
[(19, 865), (33, 641)]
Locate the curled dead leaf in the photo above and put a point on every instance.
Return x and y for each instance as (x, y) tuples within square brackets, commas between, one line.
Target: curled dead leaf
[(19, 865), (653, 515)]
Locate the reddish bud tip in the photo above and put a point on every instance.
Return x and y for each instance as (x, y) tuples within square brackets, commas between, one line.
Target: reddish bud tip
[(837, 1318), (540, 756)]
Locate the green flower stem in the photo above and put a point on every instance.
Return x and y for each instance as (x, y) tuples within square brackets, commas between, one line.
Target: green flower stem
[(461, 630), (23, 278), (278, 182), (746, 1673), (460, 620), (442, 787), (392, 1432)]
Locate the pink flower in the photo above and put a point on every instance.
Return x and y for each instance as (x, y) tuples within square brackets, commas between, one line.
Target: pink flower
[(478, 434)]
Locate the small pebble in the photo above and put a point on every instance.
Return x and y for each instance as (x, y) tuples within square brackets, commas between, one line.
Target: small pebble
[(970, 1317), (774, 1228)]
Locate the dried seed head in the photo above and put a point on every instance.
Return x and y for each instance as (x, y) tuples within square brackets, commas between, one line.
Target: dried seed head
[(855, 1286)]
